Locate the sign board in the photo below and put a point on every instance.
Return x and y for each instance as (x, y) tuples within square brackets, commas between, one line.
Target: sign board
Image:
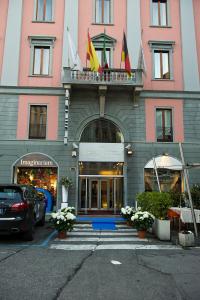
[(35, 160), (102, 152)]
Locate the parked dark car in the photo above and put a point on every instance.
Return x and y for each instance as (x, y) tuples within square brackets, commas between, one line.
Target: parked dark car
[(21, 207)]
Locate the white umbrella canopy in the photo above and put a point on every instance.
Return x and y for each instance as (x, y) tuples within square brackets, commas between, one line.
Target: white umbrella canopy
[(165, 162)]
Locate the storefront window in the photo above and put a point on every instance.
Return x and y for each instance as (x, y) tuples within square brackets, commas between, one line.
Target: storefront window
[(170, 180)]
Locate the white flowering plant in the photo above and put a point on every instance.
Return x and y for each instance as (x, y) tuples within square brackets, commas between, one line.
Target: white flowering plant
[(63, 220), (70, 209), (127, 212), (142, 220)]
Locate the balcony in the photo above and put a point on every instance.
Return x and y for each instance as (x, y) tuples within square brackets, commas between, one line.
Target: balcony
[(110, 77)]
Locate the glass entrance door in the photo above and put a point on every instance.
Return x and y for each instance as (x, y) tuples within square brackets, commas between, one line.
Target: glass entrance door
[(100, 193)]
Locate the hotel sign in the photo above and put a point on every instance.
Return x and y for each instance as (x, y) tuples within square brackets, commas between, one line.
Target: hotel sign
[(35, 160)]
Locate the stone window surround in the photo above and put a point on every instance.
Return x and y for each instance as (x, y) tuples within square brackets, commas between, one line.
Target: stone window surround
[(165, 46), (41, 41)]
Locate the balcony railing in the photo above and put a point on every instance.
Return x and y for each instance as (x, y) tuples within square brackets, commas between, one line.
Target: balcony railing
[(108, 77)]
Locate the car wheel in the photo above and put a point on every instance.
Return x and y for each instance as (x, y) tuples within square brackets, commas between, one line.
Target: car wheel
[(42, 221)]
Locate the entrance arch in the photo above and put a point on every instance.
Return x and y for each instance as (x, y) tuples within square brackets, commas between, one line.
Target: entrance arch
[(101, 161)]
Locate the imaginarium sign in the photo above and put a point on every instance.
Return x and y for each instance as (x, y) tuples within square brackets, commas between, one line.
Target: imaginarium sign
[(35, 160)]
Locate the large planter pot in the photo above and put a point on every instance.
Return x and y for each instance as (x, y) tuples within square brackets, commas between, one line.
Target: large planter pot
[(141, 234), (162, 229), (62, 234), (186, 239)]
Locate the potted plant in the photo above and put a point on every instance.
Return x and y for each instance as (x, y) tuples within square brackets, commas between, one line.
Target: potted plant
[(142, 220), (63, 221), (66, 183), (157, 204), (127, 212)]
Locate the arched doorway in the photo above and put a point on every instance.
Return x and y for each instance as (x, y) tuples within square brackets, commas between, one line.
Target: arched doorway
[(101, 162), (169, 174), (39, 170)]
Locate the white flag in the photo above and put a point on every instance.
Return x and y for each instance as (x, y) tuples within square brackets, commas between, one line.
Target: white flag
[(74, 59), (141, 60)]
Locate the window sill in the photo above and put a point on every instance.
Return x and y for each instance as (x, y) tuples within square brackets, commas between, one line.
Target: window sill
[(160, 79), (37, 139), (160, 26), (37, 21), (105, 24), (43, 76)]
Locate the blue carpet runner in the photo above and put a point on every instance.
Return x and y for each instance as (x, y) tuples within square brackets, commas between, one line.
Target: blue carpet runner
[(101, 223)]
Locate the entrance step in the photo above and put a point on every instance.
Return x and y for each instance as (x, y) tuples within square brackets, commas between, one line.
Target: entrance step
[(83, 237)]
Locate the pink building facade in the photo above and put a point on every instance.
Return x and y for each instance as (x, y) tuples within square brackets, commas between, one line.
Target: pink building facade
[(103, 130)]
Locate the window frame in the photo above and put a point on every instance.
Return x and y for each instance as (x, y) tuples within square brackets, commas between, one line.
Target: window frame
[(163, 109), (168, 19), (41, 42), (29, 121), (94, 21), (36, 11), (162, 46)]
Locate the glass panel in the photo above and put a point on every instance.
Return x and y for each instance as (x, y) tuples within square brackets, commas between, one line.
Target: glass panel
[(83, 193), (104, 194), (157, 64), (119, 192), (111, 193), (40, 10), (37, 61), (45, 67), (168, 120), (38, 117), (94, 193), (101, 131), (165, 62), (48, 16), (99, 55), (101, 168), (170, 180), (107, 11), (155, 13), (98, 12), (159, 130), (163, 13)]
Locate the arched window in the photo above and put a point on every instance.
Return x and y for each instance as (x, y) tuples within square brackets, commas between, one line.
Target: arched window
[(101, 131), (169, 174)]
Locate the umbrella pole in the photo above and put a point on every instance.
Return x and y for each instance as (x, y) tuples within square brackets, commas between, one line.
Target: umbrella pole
[(156, 171)]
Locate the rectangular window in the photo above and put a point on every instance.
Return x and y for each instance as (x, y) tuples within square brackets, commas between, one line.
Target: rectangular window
[(161, 64), (103, 11), (159, 12), (44, 10), (41, 60), (37, 122), (164, 130), (99, 52)]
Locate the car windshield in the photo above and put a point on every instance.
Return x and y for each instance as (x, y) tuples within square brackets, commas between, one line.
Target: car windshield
[(10, 193)]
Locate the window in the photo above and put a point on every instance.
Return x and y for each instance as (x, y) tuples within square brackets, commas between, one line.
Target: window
[(162, 52), (41, 55), (161, 64), (164, 131), (103, 11), (159, 13), (37, 122), (99, 52), (101, 131), (41, 60), (44, 10)]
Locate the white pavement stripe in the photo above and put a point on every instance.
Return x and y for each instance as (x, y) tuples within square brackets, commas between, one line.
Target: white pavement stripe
[(100, 233), (114, 247), (100, 239)]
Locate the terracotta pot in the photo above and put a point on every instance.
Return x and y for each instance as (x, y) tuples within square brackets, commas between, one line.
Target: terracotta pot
[(141, 234), (62, 234)]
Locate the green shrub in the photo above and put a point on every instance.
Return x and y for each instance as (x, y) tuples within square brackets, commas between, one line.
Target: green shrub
[(195, 194), (155, 203)]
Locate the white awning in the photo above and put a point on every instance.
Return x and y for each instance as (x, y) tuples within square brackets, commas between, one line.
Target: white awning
[(165, 162)]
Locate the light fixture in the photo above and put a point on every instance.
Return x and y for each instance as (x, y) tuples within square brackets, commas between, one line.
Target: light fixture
[(75, 146), (129, 149)]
